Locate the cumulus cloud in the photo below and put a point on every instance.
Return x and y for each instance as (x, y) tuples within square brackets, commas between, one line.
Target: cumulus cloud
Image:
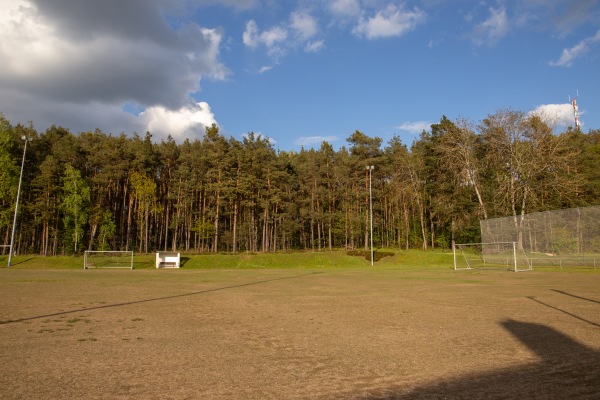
[(569, 55), (415, 127), (313, 47), (310, 141), (389, 22), (555, 114), (298, 33), (271, 38), (345, 8), (303, 24), (492, 29), (63, 55), (265, 68), (186, 122)]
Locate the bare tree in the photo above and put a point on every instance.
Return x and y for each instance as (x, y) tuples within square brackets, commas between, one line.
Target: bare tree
[(527, 160)]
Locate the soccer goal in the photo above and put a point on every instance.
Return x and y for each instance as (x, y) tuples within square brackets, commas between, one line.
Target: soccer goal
[(496, 255), (108, 259)]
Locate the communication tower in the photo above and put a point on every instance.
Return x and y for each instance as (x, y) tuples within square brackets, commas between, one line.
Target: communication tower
[(576, 113)]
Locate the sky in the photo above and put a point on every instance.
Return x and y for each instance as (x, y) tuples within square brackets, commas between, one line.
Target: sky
[(298, 72)]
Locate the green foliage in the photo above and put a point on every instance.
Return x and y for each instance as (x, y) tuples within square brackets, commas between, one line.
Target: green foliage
[(9, 174), (218, 194), (563, 242), (75, 204), (107, 230)]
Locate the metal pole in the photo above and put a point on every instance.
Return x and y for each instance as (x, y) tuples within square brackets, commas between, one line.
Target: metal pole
[(12, 237), (370, 168), (515, 254), (454, 252)]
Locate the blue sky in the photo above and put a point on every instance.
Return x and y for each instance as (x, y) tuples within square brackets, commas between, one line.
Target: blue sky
[(298, 72)]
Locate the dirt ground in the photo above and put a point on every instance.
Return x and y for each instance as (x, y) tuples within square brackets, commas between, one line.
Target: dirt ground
[(363, 334)]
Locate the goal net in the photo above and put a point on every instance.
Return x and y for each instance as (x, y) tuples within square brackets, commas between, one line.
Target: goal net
[(494, 255), (108, 259), (558, 238)]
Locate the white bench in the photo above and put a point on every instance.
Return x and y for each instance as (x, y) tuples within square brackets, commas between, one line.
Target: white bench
[(168, 259)]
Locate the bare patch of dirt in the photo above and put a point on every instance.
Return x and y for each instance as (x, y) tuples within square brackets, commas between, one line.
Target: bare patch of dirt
[(369, 334)]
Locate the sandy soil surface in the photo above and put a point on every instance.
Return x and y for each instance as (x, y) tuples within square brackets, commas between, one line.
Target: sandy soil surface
[(298, 334)]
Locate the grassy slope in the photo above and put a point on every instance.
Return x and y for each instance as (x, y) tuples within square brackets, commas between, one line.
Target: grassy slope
[(384, 259), (311, 260)]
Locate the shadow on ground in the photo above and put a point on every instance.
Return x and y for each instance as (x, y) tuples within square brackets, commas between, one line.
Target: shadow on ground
[(567, 370), (366, 254)]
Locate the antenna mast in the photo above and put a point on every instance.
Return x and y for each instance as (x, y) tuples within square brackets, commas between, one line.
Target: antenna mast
[(576, 112)]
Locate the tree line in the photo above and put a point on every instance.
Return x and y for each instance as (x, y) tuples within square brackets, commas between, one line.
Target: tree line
[(97, 191)]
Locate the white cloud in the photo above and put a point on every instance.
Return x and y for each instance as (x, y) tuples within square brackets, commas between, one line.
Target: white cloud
[(252, 37), (389, 22), (555, 114), (415, 127), (187, 122), (76, 64), (345, 8), (313, 47), (273, 36), (314, 140), (569, 55), (492, 29), (278, 40), (303, 24), (265, 68)]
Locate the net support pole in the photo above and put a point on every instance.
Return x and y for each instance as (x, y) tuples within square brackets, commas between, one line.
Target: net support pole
[(515, 254), (454, 252)]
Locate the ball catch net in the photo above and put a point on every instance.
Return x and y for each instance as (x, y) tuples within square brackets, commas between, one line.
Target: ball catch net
[(108, 259), (558, 238), (495, 255)]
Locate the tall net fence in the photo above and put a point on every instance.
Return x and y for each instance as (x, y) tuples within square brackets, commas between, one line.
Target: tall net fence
[(560, 238)]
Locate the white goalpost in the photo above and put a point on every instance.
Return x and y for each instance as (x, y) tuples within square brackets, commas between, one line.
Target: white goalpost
[(108, 259), (493, 255)]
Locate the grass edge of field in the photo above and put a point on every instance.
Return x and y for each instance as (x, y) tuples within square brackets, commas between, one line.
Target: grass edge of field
[(385, 258), (325, 259)]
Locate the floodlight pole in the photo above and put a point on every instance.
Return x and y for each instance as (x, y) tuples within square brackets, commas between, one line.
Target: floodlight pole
[(370, 168), (12, 237)]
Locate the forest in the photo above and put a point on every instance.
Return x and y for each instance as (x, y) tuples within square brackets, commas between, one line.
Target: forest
[(99, 191)]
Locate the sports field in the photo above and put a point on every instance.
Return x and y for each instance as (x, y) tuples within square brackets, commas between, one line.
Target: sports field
[(360, 333)]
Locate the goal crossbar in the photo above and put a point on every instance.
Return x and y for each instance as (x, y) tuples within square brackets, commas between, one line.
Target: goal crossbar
[(108, 259), (490, 255)]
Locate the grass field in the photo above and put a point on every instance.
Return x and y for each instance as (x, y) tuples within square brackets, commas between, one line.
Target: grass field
[(297, 328), (291, 260)]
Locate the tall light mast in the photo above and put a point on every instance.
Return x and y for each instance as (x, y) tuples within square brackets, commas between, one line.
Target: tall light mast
[(576, 113)]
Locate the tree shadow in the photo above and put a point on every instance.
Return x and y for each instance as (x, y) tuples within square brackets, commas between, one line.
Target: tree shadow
[(21, 261), (575, 296), (567, 369), (563, 311), (175, 296), (366, 254)]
